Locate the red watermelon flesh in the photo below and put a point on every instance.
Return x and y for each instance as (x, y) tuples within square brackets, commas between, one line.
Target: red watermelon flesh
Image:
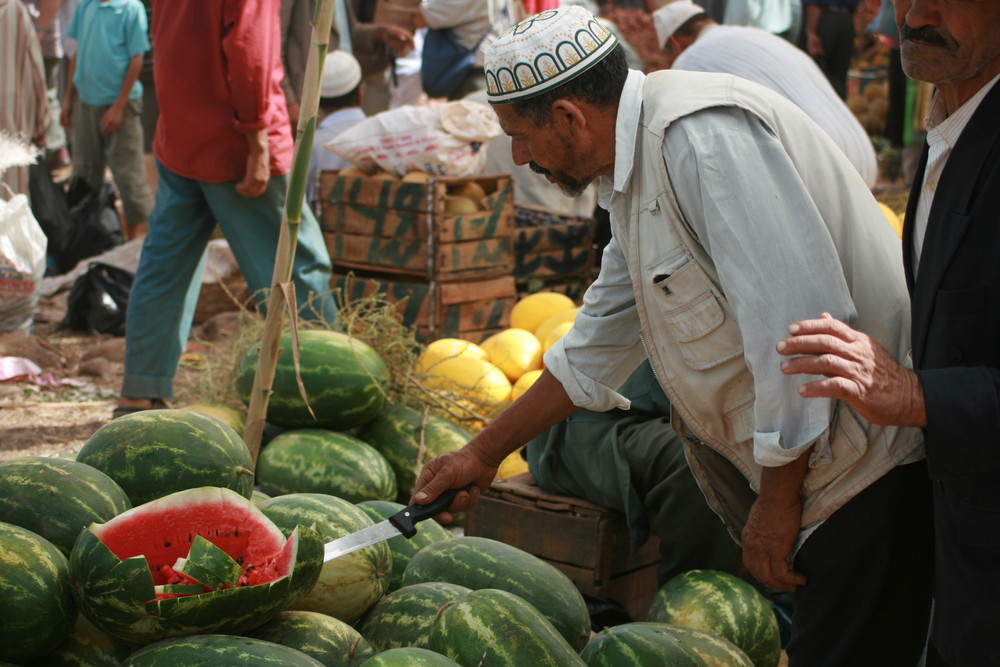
[(162, 531)]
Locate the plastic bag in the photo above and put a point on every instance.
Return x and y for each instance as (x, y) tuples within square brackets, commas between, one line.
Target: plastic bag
[(445, 140), (22, 264), (48, 203), (96, 224), (98, 300)]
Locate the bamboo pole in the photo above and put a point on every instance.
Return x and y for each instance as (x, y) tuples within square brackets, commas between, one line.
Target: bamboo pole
[(282, 294)]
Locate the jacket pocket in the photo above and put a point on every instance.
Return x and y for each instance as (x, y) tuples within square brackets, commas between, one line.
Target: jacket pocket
[(694, 313), (847, 442)]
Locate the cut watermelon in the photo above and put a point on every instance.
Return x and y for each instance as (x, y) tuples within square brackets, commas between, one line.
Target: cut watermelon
[(132, 574)]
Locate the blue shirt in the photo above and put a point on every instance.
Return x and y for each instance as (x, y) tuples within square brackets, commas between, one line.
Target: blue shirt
[(108, 35)]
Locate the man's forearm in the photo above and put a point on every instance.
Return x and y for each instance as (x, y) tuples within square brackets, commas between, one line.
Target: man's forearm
[(782, 485), (131, 76)]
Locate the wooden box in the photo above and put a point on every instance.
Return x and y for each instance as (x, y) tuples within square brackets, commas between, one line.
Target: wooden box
[(549, 246), (587, 542), (471, 309), (393, 226)]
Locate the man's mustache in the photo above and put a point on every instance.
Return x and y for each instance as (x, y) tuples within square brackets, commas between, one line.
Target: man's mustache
[(924, 34), (537, 168)]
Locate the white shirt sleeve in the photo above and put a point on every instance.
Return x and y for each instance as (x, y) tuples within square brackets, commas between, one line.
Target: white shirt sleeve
[(604, 340), (744, 199)]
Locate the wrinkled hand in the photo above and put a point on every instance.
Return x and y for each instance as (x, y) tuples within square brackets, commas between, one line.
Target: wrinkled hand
[(111, 120), (453, 470), (768, 538), (398, 39), (814, 45), (858, 370)]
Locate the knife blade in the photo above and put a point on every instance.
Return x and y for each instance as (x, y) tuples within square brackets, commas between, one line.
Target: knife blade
[(404, 522)]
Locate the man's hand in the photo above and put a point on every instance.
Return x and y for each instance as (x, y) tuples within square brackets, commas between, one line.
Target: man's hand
[(258, 171), (858, 371), (66, 115), (398, 39), (453, 470), (767, 541), (111, 120)]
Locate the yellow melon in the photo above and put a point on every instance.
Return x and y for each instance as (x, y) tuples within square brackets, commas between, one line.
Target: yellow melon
[(445, 348), (546, 327), (474, 383), (532, 310), (894, 220), (514, 351), (231, 417), (513, 464), (558, 332)]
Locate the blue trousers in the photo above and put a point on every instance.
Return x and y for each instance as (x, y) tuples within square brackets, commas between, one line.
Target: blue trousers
[(168, 279)]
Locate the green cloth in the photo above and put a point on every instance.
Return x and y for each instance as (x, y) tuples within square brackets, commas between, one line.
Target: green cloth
[(633, 462)]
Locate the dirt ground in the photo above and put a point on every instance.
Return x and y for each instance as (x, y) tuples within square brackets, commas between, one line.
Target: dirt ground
[(52, 419)]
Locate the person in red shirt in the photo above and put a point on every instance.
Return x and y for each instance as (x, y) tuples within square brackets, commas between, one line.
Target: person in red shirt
[(223, 150)]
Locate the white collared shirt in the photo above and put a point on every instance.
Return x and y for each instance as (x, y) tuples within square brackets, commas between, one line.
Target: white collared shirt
[(942, 135)]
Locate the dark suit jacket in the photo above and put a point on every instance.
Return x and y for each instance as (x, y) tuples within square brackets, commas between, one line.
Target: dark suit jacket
[(956, 351)]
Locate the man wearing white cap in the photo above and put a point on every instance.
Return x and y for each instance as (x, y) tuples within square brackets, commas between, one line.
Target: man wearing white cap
[(698, 44), (731, 212), (341, 94)]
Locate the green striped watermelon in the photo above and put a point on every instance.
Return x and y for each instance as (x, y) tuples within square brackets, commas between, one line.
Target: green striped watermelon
[(348, 585), (36, 600), (154, 453), (404, 616), (409, 438), (56, 498), (345, 381), (479, 562), (660, 643), (86, 646), (723, 605), (325, 638), (403, 549), (315, 460), (494, 628), (218, 651), (116, 567), (409, 656)]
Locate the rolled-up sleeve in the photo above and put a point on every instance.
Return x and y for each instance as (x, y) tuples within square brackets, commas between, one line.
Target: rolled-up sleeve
[(252, 34), (603, 347)]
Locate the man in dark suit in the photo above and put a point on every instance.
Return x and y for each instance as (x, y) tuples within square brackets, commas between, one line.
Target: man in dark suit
[(951, 246)]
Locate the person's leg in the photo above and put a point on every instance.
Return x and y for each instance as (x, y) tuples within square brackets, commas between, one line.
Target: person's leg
[(869, 569), (165, 290), (128, 166), (836, 31), (252, 226), (88, 144)]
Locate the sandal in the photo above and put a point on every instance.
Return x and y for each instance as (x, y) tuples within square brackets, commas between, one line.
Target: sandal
[(154, 404)]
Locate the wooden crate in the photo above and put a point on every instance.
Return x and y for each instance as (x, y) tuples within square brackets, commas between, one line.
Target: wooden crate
[(549, 246), (398, 227), (587, 542), (472, 309)]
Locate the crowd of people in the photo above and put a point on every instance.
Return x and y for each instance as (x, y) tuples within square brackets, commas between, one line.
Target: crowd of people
[(758, 347)]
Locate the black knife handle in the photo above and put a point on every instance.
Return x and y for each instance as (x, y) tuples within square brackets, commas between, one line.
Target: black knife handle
[(407, 518)]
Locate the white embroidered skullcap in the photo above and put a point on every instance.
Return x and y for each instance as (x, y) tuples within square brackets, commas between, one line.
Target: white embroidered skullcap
[(341, 74), (671, 16), (544, 51)]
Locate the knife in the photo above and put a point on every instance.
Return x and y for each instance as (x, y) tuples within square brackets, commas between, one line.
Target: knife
[(404, 522)]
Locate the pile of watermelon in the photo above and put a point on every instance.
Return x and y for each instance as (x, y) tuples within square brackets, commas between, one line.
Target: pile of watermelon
[(164, 543)]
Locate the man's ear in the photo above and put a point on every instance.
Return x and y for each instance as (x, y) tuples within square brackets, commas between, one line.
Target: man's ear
[(568, 115)]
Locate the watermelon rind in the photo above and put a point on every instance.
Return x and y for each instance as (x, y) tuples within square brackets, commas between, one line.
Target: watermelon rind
[(325, 638), (218, 650), (119, 598), (716, 651), (409, 656), (56, 498), (408, 438), (345, 381), (660, 643), (209, 565), (86, 646), (403, 549), (347, 585), (479, 562), (37, 611), (153, 453), (494, 628), (721, 604), (314, 460), (404, 616)]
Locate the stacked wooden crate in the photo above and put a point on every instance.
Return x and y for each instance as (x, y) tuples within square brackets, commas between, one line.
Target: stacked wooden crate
[(450, 272), (552, 252)]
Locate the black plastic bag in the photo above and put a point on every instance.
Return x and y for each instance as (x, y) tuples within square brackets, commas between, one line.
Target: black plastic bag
[(99, 300), (96, 224), (48, 203)]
